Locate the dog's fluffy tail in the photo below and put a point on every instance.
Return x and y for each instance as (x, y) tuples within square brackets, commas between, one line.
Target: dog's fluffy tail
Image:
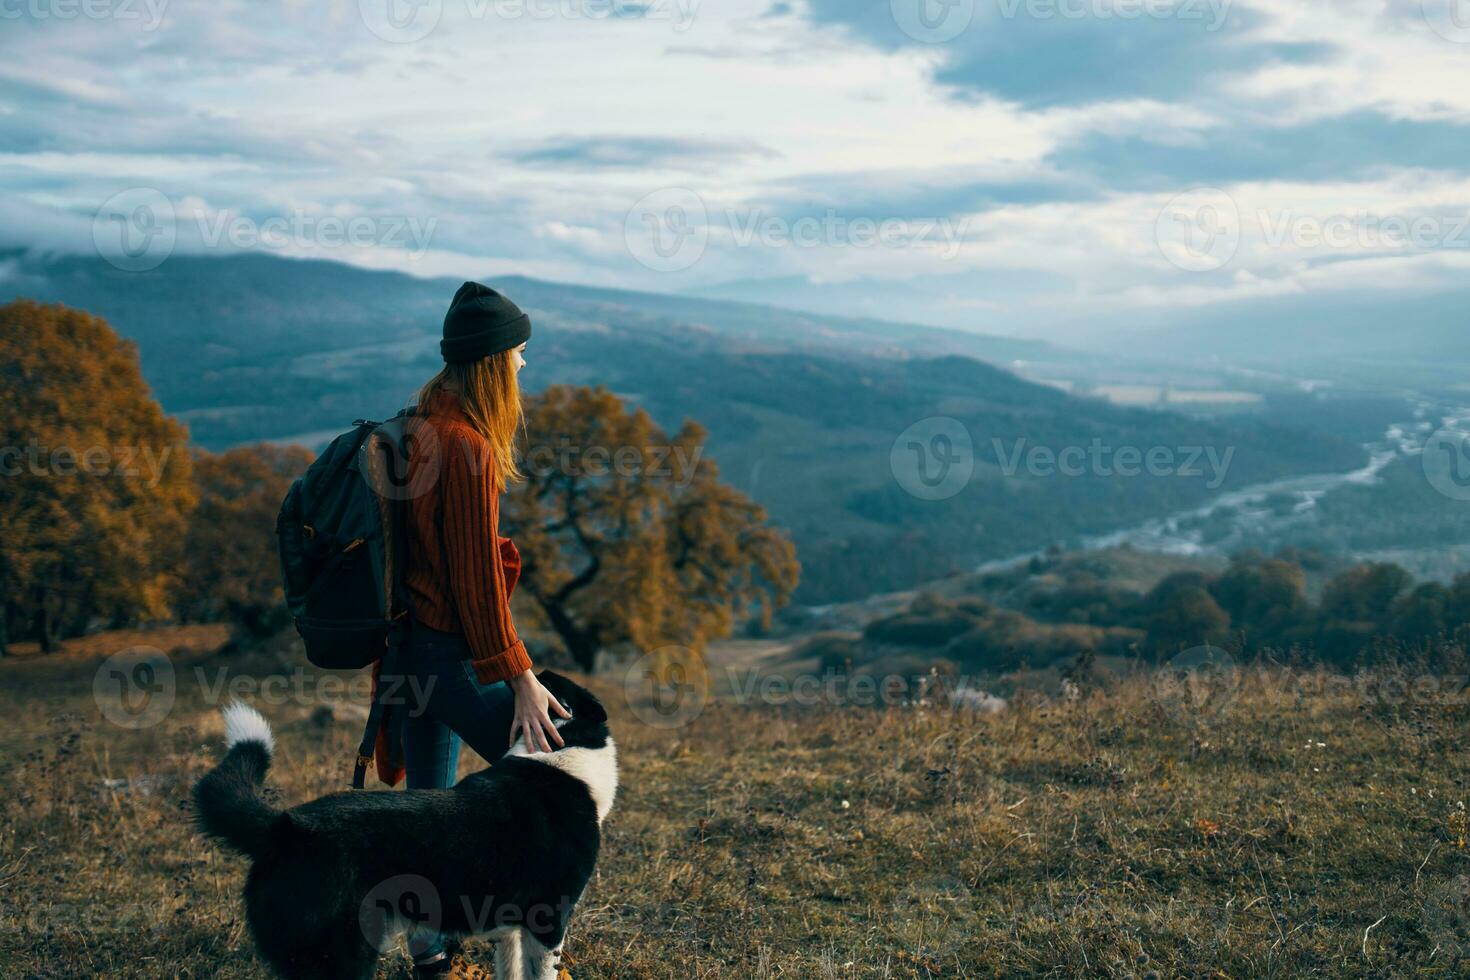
[(227, 803)]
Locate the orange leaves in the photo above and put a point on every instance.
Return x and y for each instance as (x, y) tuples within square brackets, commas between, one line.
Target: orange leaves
[(628, 536), (92, 519), (1207, 828)]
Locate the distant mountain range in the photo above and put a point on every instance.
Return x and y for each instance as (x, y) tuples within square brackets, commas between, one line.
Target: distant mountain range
[(1423, 334), (1427, 334), (803, 410)]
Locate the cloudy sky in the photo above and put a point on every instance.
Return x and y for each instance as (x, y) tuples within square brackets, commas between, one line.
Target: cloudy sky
[(1036, 167)]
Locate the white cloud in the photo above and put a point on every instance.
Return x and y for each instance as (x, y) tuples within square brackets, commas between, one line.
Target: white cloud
[(1388, 59), (283, 109)]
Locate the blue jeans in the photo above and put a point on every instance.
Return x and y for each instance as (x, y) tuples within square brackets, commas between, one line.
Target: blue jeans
[(447, 703)]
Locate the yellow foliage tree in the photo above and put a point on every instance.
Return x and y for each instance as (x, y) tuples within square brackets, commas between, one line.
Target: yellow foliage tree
[(628, 537), (94, 479), (230, 568)]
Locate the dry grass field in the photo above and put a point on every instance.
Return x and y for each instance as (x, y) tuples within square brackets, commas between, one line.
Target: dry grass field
[(1291, 826)]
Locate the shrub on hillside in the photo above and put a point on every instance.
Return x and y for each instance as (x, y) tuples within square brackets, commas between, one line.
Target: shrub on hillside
[(1082, 598), (230, 570), (835, 653), (926, 623), (1180, 614)]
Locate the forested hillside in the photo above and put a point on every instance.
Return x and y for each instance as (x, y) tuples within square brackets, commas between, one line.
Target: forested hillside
[(802, 412)]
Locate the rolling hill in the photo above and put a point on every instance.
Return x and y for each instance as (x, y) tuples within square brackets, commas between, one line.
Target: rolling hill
[(803, 411)]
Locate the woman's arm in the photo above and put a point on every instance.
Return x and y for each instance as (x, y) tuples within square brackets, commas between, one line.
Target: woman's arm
[(481, 592), (471, 519)]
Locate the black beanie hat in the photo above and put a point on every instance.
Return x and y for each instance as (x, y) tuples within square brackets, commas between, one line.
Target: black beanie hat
[(481, 322)]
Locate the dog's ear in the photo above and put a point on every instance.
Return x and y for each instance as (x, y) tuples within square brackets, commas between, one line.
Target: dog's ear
[(583, 704), (588, 708), (562, 687)]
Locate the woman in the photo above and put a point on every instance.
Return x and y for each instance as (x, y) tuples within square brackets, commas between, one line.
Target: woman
[(467, 672)]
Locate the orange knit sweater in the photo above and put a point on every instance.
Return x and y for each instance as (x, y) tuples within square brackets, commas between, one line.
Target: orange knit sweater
[(460, 572)]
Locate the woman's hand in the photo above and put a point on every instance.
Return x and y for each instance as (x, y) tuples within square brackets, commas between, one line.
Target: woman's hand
[(534, 705)]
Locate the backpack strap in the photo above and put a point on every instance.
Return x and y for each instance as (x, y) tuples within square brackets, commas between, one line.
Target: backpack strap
[(380, 713), (368, 746), (387, 708)]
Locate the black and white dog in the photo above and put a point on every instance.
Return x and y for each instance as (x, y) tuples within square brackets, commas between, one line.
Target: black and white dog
[(505, 853)]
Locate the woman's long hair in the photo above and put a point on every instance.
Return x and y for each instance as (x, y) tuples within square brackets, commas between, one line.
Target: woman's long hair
[(490, 397)]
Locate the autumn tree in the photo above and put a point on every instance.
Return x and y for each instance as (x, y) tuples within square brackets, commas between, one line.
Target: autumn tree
[(1421, 614), (628, 537), (1365, 594), (230, 569), (1266, 601), (1356, 606), (94, 478), (1180, 614)]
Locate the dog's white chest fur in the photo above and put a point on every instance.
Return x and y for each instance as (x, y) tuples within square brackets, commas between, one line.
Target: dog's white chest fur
[(597, 769)]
